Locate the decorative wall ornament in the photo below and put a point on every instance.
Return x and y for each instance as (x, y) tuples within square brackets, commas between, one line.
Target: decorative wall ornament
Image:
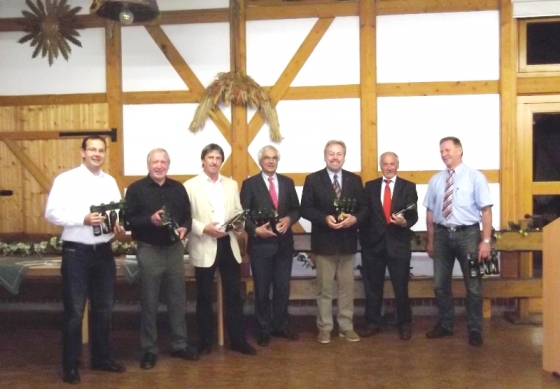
[(237, 88), (50, 28)]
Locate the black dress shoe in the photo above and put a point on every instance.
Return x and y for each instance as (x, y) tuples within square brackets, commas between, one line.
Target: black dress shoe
[(189, 353), (438, 332), (475, 338), (369, 331), (405, 332), (286, 334), (263, 339), (204, 349), (109, 366), (71, 376), (148, 360), (244, 348)]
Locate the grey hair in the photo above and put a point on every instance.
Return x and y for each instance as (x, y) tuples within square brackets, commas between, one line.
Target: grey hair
[(261, 151), (335, 142), (388, 153), (156, 151)]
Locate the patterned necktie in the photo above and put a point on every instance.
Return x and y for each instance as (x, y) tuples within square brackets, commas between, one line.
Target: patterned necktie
[(336, 186), (387, 201), (447, 207), (272, 191)]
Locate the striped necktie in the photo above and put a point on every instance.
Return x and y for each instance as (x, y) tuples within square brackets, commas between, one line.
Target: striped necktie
[(336, 186), (447, 207)]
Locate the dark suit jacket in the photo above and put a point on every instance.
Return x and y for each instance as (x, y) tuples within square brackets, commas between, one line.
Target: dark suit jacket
[(255, 196), (317, 202), (375, 233)]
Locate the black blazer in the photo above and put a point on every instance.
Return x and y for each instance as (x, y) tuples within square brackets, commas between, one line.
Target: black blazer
[(255, 196), (375, 233), (317, 202)]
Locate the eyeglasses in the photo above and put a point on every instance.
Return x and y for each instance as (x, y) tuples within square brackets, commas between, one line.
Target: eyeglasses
[(98, 151)]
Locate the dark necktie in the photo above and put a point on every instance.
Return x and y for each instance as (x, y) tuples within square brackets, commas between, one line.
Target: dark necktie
[(387, 201), (272, 191), (447, 206), (336, 186)]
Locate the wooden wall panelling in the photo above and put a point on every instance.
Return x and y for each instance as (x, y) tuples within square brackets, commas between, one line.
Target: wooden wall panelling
[(508, 96), (11, 208), (545, 83), (76, 98), (42, 159), (241, 162), (368, 96), (113, 79)]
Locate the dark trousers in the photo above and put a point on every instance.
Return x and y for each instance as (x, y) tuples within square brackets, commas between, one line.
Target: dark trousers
[(86, 272), (155, 264), (230, 272), (449, 246), (373, 269), (272, 271)]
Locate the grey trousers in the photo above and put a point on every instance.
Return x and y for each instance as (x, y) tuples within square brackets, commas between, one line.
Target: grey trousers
[(341, 266), (155, 263)]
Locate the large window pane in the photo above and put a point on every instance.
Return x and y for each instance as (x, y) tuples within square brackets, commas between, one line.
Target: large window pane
[(546, 147), (543, 45)]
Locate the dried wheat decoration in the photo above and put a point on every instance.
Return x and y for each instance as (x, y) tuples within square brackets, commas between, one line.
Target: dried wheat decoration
[(237, 88), (50, 27)]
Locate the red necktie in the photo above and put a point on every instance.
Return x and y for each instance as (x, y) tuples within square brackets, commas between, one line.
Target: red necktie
[(387, 201), (272, 191)]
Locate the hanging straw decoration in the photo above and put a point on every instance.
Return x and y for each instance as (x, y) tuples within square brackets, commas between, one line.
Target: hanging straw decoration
[(237, 88)]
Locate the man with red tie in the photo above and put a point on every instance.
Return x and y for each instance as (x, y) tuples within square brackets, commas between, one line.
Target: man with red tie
[(385, 239), (271, 247)]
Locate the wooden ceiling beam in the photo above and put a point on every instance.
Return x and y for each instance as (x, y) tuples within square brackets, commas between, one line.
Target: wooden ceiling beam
[(187, 75), (400, 7), (290, 72)]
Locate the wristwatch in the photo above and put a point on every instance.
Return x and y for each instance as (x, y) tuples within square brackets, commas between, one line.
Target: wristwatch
[(487, 241)]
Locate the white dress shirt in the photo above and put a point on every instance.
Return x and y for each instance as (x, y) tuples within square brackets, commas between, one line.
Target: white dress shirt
[(391, 187), (215, 192), (72, 194), (338, 178), (267, 182)]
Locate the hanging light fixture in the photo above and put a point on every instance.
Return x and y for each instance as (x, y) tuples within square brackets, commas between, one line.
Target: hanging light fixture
[(126, 11)]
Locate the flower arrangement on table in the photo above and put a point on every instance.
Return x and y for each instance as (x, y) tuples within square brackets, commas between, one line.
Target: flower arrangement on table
[(53, 246)]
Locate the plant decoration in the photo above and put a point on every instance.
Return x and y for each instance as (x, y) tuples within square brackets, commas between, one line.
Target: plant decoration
[(50, 28), (237, 88), (53, 246)]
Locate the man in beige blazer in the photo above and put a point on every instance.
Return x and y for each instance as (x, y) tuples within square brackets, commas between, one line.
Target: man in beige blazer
[(215, 200)]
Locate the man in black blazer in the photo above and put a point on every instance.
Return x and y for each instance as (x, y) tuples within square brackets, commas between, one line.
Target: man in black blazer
[(271, 247), (334, 238), (385, 239)]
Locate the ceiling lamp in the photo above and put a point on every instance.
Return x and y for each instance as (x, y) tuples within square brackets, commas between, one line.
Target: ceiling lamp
[(127, 11)]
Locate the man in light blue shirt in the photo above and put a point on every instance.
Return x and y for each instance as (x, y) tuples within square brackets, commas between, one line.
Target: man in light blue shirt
[(457, 201)]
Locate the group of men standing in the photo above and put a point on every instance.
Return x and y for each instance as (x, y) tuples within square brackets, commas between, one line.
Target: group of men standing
[(342, 213)]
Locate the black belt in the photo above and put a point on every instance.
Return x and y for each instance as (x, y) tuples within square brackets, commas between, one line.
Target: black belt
[(87, 247), (456, 228)]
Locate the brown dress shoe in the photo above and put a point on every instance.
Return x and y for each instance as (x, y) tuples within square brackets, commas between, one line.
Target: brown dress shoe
[(369, 331)]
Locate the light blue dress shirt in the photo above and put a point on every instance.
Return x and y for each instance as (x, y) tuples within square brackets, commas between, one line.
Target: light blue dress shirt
[(470, 194)]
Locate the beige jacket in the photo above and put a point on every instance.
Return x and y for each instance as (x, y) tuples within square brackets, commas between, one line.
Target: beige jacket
[(202, 248)]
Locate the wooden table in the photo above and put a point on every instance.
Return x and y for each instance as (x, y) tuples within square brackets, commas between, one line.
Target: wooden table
[(51, 268)]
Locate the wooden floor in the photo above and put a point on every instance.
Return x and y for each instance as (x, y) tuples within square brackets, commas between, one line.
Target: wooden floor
[(510, 358)]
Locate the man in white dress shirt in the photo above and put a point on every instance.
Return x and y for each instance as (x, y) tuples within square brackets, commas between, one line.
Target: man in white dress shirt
[(88, 264)]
